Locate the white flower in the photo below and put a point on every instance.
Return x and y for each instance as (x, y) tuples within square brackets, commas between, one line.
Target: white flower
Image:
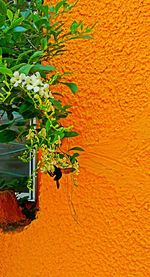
[(46, 95), (16, 74), (16, 84), (22, 76), (27, 80), (32, 82), (44, 92), (35, 80), (13, 80), (38, 75), (29, 87), (23, 83), (46, 87), (16, 79), (36, 89)]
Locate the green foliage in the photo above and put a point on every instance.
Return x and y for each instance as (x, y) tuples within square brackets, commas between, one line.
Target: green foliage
[(3, 7), (76, 149), (31, 26), (15, 184), (72, 86), (30, 33), (7, 136)]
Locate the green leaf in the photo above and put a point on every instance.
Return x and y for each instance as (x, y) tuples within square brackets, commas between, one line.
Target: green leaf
[(7, 136), (0, 55), (4, 126), (45, 9), (2, 20), (19, 29), (35, 55), (21, 122), (40, 67), (16, 22), (74, 26), (81, 36), (10, 115), (16, 67), (70, 134), (44, 43), (23, 108), (25, 13), (26, 69), (41, 23), (56, 103), (88, 30), (4, 70), (6, 50), (72, 86), (81, 26), (47, 125), (67, 107), (59, 5), (84, 37), (76, 149), (52, 9), (10, 15), (24, 54), (3, 8), (27, 110), (73, 157), (68, 7)]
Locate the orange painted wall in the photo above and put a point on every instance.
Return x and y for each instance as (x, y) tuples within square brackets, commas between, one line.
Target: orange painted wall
[(101, 228)]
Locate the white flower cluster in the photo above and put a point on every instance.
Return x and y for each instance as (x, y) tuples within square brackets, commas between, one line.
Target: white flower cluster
[(31, 83)]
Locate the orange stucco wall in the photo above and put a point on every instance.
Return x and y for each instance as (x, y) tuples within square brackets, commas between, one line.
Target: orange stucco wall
[(102, 227)]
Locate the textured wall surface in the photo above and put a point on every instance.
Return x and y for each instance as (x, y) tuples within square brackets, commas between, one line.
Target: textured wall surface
[(101, 228)]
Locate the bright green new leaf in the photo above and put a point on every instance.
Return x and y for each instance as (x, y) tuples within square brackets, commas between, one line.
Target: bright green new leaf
[(88, 30), (74, 26), (10, 15), (4, 70), (17, 22), (48, 123)]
